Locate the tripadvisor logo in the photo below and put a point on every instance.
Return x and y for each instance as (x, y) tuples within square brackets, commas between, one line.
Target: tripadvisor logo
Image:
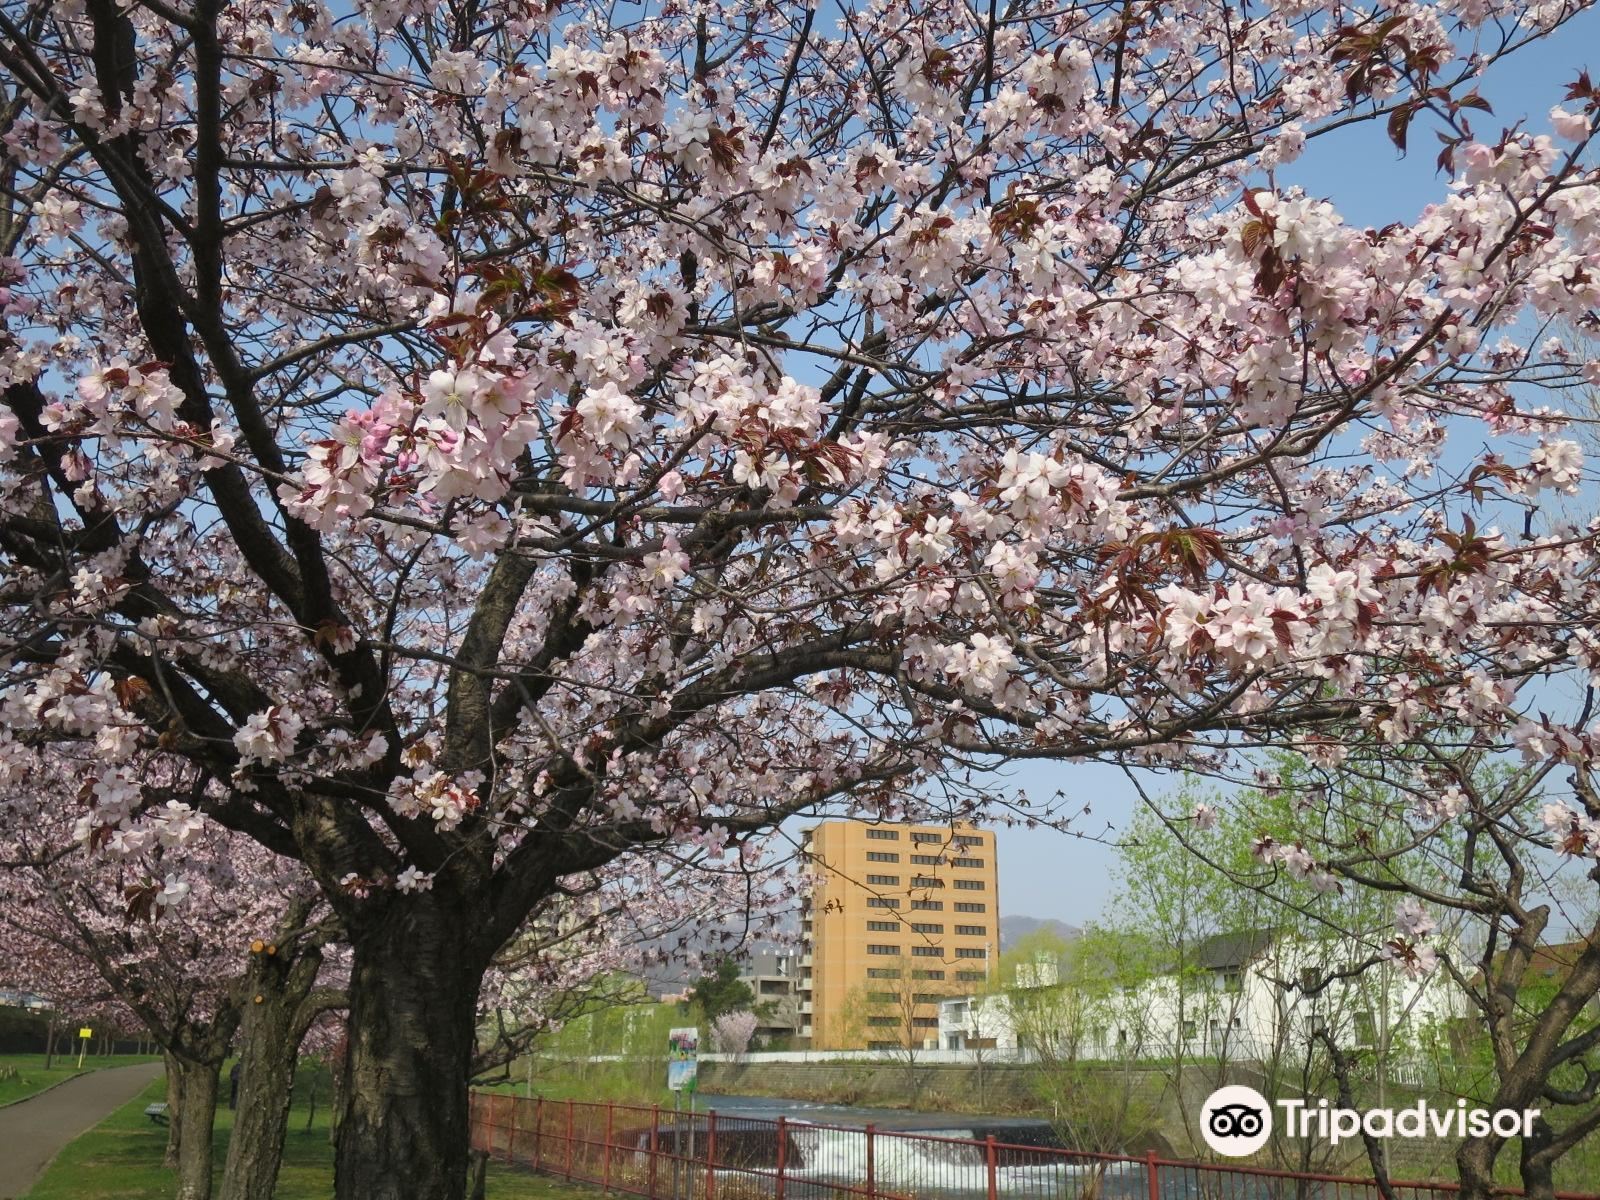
[(1236, 1121)]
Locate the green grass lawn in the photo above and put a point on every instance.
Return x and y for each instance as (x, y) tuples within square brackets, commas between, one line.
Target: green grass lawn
[(120, 1159), (22, 1075)]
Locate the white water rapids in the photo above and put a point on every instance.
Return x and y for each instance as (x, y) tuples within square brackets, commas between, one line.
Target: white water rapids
[(919, 1166)]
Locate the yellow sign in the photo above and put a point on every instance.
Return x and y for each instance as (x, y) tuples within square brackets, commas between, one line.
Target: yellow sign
[(86, 1033)]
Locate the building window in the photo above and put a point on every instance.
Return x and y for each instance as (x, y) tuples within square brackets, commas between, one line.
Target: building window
[(884, 880), (884, 1046), (882, 856), (926, 881), (928, 997), (927, 951), (970, 885), (1189, 1031), (966, 862), (971, 952), (967, 839), (969, 976), (926, 860), (883, 926), (883, 972), (927, 974), (884, 835), (878, 948), (883, 1022), (925, 1022), (881, 997), (882, 902), (1232, 981), (971, 906), (936, 839), (972, 930), (1366, 1031), (926, 927), (929, 905)]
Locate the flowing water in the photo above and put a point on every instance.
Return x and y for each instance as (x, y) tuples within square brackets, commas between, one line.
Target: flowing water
[(827, 1158)]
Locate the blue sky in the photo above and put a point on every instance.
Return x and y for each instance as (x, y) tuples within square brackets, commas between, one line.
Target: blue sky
[(1050, 874)]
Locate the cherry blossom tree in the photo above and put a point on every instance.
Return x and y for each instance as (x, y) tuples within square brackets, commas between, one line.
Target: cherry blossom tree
[(210, 947), (464, 443), (731, 1032)]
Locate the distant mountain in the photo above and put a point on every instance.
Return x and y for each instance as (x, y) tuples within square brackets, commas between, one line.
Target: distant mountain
[(1014, 929)]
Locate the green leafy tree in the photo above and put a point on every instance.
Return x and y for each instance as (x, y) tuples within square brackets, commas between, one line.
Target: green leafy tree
[(722, 991), (1488, 874), (1066, 1002)]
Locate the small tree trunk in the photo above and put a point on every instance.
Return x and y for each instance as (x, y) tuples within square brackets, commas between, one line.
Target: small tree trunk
[(1475, 1164), (273, 1025), (1538, 1168), (198, 1112), (413, 1004), (174, 1112), (336, 1075)]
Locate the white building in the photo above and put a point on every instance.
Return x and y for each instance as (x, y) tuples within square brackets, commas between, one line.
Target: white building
[(1251, 996)]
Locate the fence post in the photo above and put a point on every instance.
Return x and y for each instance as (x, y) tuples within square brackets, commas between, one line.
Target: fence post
[(538, 1132), (511, 1138), (711, 1155), (605, 1169), (991, 1159), (872, 1166), (1152, 1175), (569, 1139), (655, 1133), (783, 1143)]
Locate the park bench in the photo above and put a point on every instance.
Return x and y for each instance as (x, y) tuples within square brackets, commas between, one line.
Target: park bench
[(157, 1112)]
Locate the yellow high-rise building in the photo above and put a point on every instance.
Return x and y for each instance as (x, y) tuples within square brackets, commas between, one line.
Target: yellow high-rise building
[(899, 917)]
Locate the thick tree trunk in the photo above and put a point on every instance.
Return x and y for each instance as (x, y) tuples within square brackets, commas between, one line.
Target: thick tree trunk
[(274, 1023), (198, 1113), (413, 1003), (174, 1112)]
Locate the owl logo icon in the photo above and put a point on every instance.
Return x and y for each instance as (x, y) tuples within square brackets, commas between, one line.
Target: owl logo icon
[(1236, 1121)]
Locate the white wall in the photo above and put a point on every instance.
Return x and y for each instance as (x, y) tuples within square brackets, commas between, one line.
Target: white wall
[(1202, 1015)]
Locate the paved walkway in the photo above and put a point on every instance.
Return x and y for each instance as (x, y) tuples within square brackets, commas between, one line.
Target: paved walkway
[(33, 1132)]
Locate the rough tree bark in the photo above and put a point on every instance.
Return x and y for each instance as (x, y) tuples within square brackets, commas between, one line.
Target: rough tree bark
[(413, 999), (279, 1002), (197, 1111), (174, 1111)]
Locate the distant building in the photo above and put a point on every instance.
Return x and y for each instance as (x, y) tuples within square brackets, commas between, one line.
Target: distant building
[(899, 917), (1238, 1001), (773, 978)]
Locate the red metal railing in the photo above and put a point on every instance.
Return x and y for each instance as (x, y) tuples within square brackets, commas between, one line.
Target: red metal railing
[(656, 1153)]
